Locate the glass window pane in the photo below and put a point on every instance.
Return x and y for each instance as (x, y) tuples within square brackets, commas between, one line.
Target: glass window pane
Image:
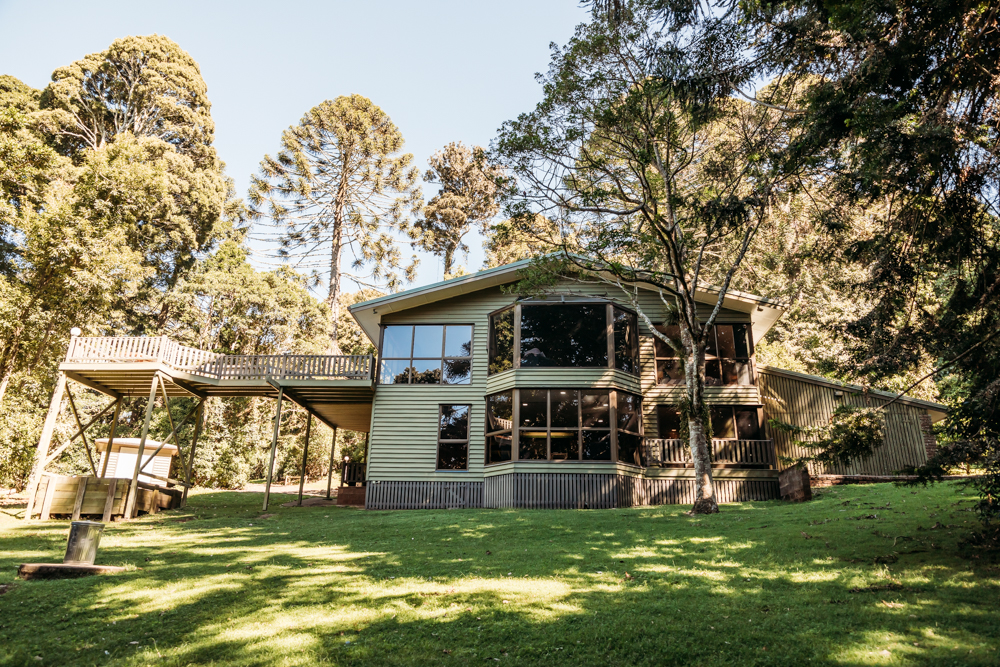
[(731, 372), (454, 422), (711, 350), (565, 445), (597, 445), (458, 371), (713, 373), (453, 456), (626, 341), (532, 445), (629, 448), (722, 422), (747, 424), (668, 422), (669, 371), (426, 371), (564, 335), (565, 408), (501, 341), (500, 412), (498, 448), (727, 345), (534, 407), (395, 371), (427, 340), (458, 341), (628, 412), (596, 408), (741, 340), (396, 341), (661, 349)]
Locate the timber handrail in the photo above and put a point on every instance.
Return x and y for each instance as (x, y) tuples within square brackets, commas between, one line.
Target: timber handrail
[(668, 452), (131, 349)]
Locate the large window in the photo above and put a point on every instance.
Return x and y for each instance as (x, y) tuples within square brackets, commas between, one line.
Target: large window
[(499, 427), (727, 356), (729, 422), (563, 425), (426, 354), (453, 437), (564, 335)]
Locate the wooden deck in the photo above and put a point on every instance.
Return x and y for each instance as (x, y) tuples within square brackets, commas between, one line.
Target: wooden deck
[(338, 390)]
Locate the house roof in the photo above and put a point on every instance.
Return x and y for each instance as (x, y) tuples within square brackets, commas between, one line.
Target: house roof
[(937, 411), (369, 313)]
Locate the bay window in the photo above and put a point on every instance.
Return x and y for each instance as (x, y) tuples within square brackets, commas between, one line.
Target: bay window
[(564, 335), (564, 425)]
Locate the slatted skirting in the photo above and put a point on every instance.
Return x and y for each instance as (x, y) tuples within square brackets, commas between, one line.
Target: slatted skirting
[(558, 491), (383, 495), (551, 491)]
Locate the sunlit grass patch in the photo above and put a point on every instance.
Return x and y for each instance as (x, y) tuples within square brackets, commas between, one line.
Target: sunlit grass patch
[(761, 583)]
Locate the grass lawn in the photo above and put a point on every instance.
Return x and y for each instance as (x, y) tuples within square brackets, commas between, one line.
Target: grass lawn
[(860, 576)]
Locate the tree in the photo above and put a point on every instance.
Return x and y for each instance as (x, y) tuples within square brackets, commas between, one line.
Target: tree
[(467, 198), (657, 175), (339, 184), (509, 240)]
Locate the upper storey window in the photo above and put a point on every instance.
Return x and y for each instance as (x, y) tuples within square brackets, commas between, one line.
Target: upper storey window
[(564, 335), (426, 354), (727, 356)]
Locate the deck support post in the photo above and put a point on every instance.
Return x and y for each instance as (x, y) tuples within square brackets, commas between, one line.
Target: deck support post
[(133, 489), (305, 454), (199, 422), (111, 438), (274, 446), (329, 472), (43, 443)]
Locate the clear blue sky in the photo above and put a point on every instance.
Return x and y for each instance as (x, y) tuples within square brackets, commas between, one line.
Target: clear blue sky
[(443, 70)]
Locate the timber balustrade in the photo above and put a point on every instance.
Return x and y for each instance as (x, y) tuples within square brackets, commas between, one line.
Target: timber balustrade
[(747, 453), (131, 349)]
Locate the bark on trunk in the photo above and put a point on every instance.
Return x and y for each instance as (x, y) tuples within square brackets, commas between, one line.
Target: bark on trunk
[(449, 258), (333, 295), (694, 372)]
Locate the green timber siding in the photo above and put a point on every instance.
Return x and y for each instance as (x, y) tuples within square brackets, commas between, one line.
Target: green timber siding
[(801, 400), (404, 417)]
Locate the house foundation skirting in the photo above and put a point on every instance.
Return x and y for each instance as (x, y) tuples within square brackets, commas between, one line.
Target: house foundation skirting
[(559, 491)]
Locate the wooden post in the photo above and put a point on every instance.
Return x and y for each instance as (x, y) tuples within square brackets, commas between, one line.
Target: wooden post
[(109, 501), (81, 491), (329, 473), (133, 489), (43, 443), (274, 446), (305, 453), (198, 424), (111, 438)]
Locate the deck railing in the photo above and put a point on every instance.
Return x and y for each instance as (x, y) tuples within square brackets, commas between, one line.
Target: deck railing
[(131, 349), (757, 453)]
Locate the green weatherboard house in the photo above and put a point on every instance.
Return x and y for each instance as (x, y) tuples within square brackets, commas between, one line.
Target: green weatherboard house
[(481, 398), (486, 399)]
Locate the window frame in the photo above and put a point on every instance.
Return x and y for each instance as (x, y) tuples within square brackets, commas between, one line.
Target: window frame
[(710, 346), (733, 408), (612, 428), (441, 359), (440, 441)]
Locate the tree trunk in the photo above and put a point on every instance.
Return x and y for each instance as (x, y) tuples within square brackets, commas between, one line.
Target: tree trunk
[(701, 456), (449, 259), (333, 295)]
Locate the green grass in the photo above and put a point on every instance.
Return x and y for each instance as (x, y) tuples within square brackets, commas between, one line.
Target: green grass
[(859, 576)]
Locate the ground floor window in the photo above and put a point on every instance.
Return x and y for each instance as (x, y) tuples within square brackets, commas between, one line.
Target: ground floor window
[(564, 425), (453, 437), (729, 422)]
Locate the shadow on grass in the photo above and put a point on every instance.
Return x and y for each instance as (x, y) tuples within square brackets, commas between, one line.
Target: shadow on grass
[(763, 583)]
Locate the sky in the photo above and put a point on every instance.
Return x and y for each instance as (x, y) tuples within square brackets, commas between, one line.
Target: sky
[(443, 70)]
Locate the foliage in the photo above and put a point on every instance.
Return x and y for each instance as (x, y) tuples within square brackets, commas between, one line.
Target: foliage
[(509, 241), (854, 433), (823, 582), (467, 198), (339, 184)]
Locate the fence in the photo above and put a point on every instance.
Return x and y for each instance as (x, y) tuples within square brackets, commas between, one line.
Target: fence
[(747, 453)]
